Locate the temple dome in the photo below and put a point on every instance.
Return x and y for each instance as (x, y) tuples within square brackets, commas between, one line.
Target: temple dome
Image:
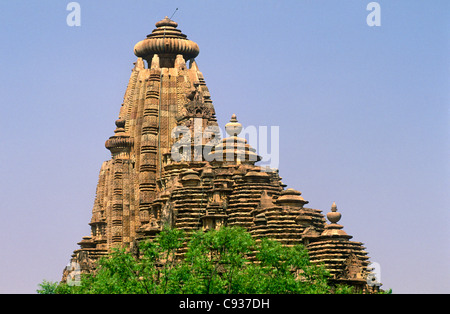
[(234, 149), (291, 197), (166, 39)]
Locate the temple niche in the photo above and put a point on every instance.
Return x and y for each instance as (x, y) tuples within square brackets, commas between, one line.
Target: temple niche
[(143, 187)]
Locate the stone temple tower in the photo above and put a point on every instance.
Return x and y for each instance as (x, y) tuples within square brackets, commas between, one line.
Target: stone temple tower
[(170, 166)]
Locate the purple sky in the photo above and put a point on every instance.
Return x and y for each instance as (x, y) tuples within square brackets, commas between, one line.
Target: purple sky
[(363, 114)]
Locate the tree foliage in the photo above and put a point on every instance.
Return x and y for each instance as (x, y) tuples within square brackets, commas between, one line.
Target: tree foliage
[(221, 261)]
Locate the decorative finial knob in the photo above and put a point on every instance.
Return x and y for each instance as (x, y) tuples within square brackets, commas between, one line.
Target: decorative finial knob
[(334, 216), (120, 124), (233, 128), (334, 207), (166, 22)]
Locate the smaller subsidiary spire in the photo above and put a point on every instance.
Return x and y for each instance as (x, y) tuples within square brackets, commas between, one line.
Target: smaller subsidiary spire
[(234, 149), (120, 143), (291, 197), (346, 260)]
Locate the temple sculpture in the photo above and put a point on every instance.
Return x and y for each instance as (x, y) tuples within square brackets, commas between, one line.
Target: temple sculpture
[(162, 172)]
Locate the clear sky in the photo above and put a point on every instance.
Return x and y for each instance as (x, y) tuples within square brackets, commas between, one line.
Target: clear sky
[(363, 114)]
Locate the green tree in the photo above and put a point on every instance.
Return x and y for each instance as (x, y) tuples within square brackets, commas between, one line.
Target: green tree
[(221, 261), (47, 287), (214, 260)]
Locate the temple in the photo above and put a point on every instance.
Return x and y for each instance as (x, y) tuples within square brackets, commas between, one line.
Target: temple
[(169, 166)]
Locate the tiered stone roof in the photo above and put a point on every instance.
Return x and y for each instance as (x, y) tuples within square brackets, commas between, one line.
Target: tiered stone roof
[(345, 260), (143, 187)]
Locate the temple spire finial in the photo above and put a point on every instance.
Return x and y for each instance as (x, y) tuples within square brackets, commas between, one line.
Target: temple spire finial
[(334, 216), (166, 41), (233, 127), (334, 229)]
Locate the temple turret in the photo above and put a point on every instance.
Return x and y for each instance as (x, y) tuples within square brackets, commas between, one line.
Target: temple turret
[(346, 260), (233, 149), (120, 143)]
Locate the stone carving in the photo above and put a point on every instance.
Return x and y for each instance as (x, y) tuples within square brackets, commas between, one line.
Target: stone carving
[(142, 188)]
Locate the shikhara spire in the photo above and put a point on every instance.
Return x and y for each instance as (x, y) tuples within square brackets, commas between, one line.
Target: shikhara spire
[(143, 187)]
